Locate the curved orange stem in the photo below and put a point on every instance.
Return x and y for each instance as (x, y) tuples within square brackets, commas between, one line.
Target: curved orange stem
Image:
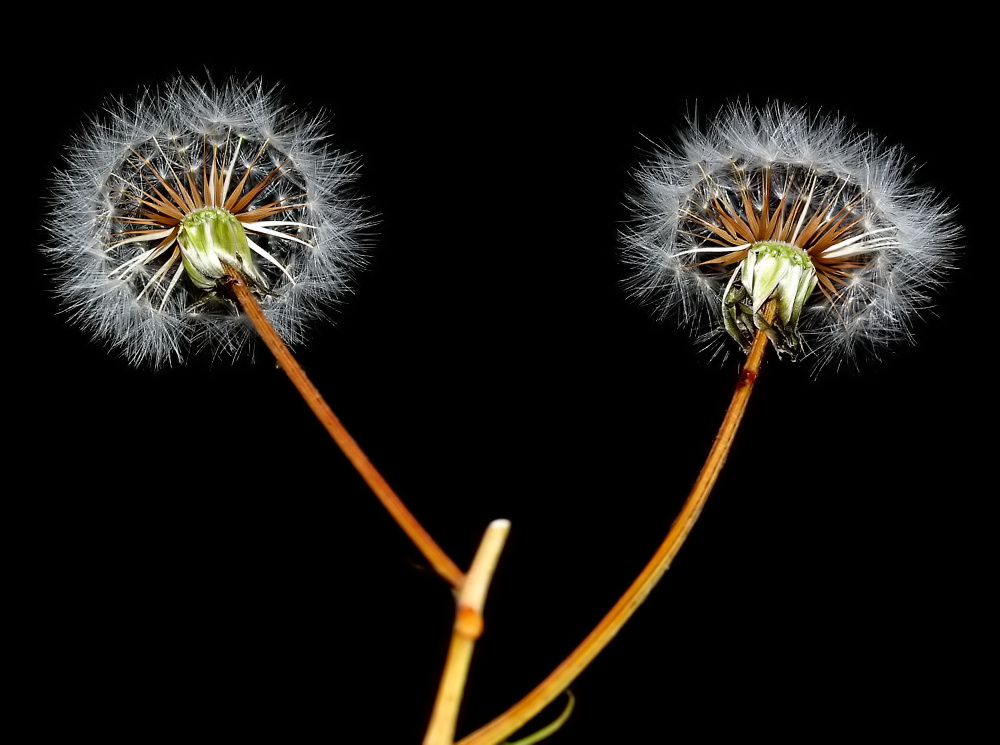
[(441, 562), (559, 679)]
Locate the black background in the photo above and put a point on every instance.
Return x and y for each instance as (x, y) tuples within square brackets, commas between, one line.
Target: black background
[(190, 554)]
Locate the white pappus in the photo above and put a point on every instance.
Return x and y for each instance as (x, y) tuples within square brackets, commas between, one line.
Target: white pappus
[(153, 192), (775, 204)]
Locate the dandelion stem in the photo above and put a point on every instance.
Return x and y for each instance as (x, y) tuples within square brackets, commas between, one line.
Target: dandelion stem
[(441, 562), (559, 679), (466, 630)]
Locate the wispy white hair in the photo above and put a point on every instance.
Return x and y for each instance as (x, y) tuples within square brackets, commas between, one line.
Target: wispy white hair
[(878, 303), (174, 130)]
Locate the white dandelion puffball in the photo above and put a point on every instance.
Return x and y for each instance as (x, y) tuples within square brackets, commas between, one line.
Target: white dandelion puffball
[(795, 225), (159, 197)]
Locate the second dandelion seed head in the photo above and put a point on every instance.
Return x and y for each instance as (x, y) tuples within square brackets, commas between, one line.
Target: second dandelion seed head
[(773, 220)]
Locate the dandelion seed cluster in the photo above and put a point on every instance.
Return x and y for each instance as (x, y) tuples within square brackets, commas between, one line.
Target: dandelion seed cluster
[(774, 204), (150, 190)]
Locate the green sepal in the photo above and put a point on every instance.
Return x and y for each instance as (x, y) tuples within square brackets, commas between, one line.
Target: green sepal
[(777, 272), (212, 239)]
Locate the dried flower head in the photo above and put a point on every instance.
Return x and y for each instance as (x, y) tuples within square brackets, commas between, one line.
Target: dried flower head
[(161, 199), (772, 208)]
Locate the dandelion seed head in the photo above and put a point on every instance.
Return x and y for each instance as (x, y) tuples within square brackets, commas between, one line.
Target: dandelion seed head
[(158, 195), (777, 205)]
